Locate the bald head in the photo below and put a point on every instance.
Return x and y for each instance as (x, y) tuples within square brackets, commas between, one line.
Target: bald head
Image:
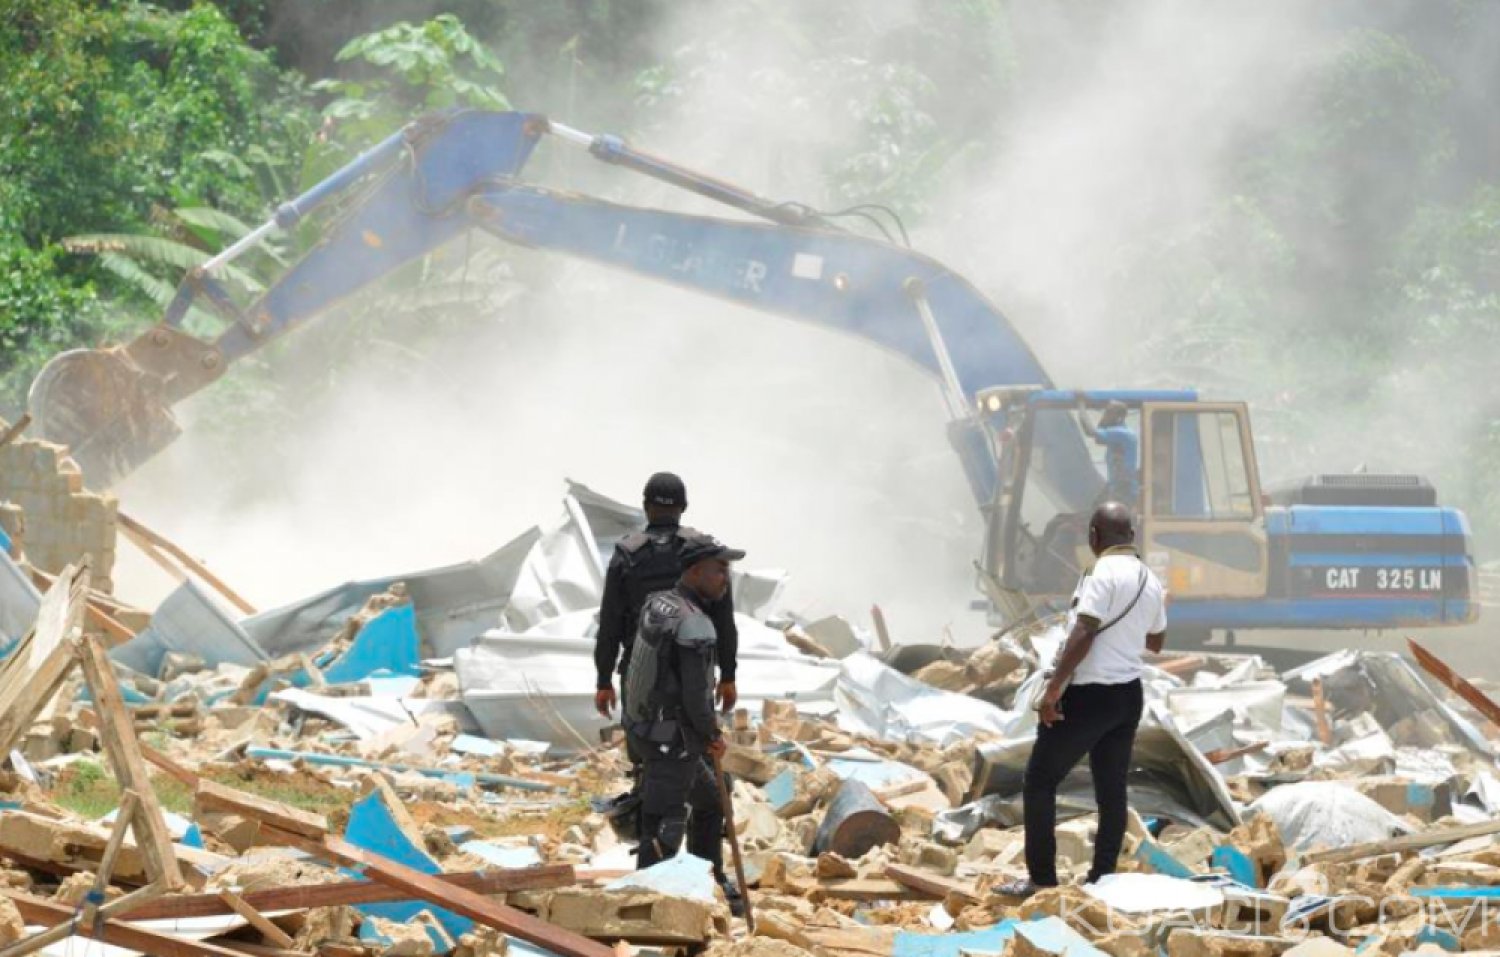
[(1110, 526)]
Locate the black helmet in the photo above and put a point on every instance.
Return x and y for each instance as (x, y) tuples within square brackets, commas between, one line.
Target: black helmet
[(665, 488)]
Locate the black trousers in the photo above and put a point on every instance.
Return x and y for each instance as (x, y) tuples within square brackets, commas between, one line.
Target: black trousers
[(1098, 721), (679, 798)]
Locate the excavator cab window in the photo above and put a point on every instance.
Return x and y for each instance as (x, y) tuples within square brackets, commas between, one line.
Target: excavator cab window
[(1202, 528)]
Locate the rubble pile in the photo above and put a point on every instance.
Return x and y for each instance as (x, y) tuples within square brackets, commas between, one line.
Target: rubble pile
[(411, 766)]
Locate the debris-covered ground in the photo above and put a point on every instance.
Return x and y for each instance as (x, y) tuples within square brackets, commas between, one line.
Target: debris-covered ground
[(412, 765)]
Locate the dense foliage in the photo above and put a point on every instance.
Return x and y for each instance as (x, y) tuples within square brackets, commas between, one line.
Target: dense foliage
[(1347, 258)]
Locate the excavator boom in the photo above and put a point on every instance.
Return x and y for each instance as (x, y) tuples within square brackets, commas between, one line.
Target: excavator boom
[(441, 176)]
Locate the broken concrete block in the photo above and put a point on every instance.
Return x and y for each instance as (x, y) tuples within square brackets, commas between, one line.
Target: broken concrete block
[(944, 675), (1260, 841), (808, 791), (1075, 843), (1186, 942), (832, 866), (989, 843), (954, 779), (932, 857), (752, 765), (1401, 796), (1193, 849), (12, 927), (635, 916), (27, 838)]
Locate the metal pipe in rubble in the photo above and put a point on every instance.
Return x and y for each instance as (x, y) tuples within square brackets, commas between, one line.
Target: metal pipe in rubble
[(613, 149), (290, 213)]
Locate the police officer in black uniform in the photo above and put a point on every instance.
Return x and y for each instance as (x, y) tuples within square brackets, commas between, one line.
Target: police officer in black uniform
[(645, 562), (669, 712)]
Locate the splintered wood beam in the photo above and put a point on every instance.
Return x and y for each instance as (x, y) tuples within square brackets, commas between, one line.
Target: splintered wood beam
[(1455, 682), (428, 887), (34, 671), (933, 885), (1405, 842), (542, 877), (190, 778), (117, 732), (257, 920), (1320, 713), (149, 541), (96, 613), (35, 910), (217, 797)]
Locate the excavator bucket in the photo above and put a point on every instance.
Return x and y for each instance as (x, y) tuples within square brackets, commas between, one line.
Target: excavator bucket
[(112, 407)]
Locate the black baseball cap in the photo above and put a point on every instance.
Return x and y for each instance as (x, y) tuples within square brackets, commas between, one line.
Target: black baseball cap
[(665, 488), (703, 547)]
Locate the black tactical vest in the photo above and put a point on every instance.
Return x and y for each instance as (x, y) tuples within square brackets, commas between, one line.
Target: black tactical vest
[(653, 692), (652, 563)]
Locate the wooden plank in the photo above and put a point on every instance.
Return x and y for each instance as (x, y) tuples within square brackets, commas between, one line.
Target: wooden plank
[(866, 889), (1455, 682), (345, 893), (97, 613), (257, 920), (427, 887), (284, 817), (88, 916), (35, 910), (116, 732), (266, 950), (33, 673), (149, 541), (1406, 842), (1320, 713), (935, 886), (1221, 755), (190, 778)]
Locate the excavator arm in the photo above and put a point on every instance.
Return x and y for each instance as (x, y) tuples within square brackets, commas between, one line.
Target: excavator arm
[(441, 176)]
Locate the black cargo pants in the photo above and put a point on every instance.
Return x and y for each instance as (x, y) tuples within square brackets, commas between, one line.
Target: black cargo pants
[(672, 786), (1098, 721)]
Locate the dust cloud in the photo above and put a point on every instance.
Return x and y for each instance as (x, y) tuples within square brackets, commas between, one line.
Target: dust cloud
[(820, 454)]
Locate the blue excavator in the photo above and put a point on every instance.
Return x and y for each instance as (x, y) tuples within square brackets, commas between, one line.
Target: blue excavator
[(1358, 551)]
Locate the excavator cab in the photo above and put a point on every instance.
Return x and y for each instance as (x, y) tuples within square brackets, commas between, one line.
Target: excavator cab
[(1366, 551), (1195, 492)]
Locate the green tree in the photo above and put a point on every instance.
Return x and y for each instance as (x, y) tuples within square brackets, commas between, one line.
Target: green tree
[(109, 110)]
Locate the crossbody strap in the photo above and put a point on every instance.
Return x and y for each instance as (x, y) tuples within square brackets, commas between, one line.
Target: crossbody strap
[(1128, 608)]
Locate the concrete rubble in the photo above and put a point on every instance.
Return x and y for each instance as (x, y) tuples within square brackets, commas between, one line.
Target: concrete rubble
[(402, 766)]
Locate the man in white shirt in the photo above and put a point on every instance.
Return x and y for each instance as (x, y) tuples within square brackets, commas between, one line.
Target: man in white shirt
[(1092, 703)]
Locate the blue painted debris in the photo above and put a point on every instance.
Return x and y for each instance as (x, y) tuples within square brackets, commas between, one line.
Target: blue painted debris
[(502, 856), (1233, 860), (871, 769), (1457, 893), (458, 833), (387, 642), (781, 789), (373, 827), (1160, 860), (460, 778)]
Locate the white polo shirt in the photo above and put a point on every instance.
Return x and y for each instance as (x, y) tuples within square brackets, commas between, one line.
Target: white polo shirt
[(1106, 592)]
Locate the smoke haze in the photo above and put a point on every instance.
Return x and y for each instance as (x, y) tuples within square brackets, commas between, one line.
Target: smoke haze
[(820, 455)]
